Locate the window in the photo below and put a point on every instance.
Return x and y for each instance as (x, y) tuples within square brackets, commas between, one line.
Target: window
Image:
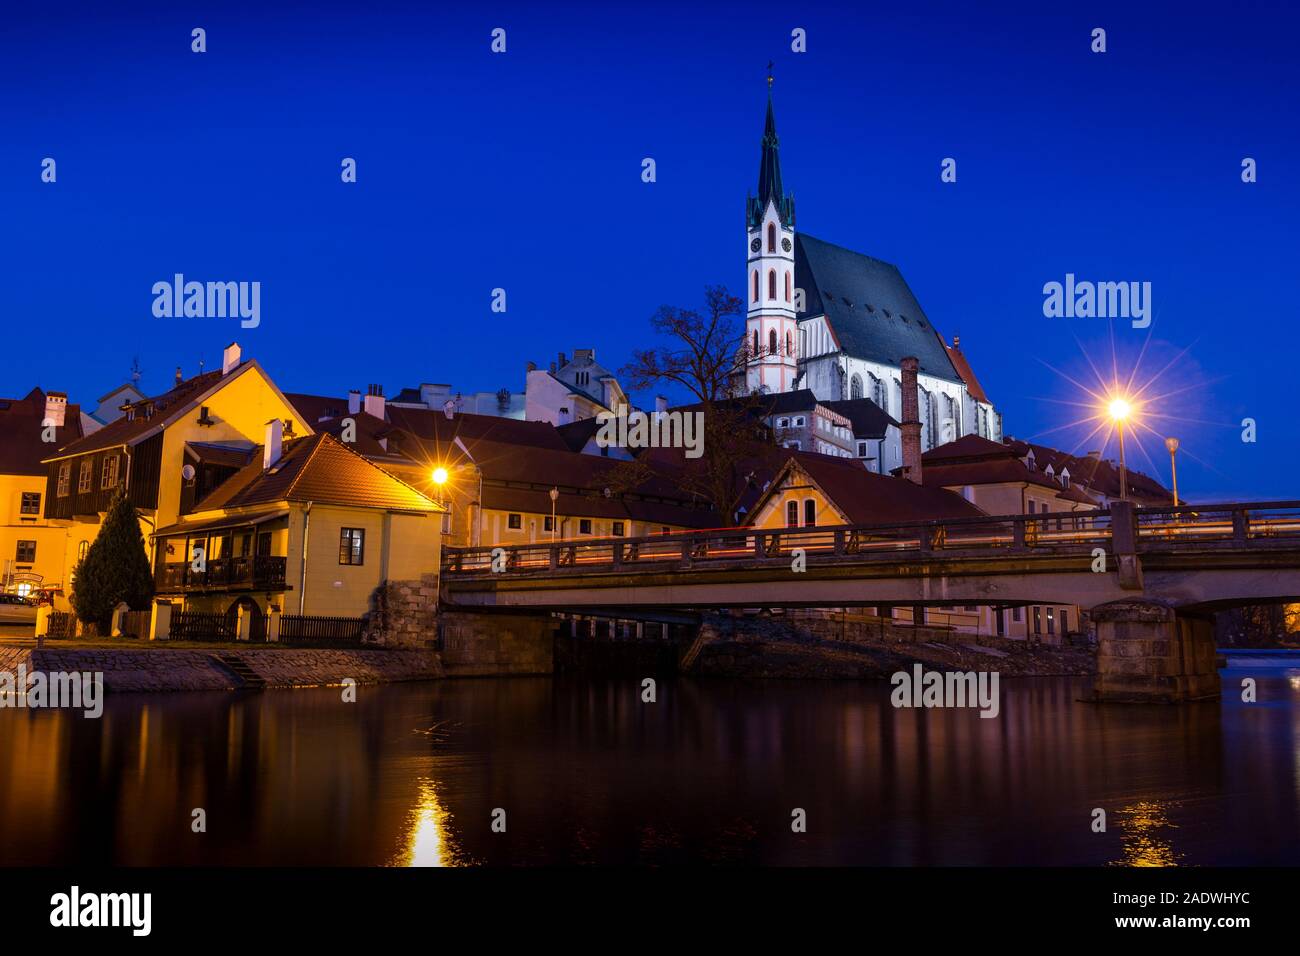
[(809, 513), (31, 503), (771, 237), (792, 514), (352, 546), (797, 422), (1065, 621), (1000, 616), (108, 477), (26, 552), (446, 522), (862, 449), (771, 285), (756, 352), (84, 476), (771, 342), (618, 529), (789, 343), (584, 526), (547, 524), (787, 287), (1051, 620), (515, 522), (1015, 614), (855, 387), (1038, 620), (754, 296), (65, 477), (783, 423), (82, 548)]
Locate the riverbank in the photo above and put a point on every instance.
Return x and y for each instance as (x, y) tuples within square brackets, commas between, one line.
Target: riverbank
[(159, 668)]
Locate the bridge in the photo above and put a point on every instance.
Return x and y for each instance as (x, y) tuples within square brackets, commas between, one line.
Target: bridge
[(1145, 574)]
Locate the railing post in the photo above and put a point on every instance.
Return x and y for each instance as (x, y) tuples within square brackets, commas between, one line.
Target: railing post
[(618, 553), (926, 540), (1018, 533), (686, 552), (553, 557), (1241, 526), (839, 542), (760, 545)]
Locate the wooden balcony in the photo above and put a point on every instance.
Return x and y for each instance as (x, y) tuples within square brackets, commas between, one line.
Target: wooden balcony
[(261, 573)]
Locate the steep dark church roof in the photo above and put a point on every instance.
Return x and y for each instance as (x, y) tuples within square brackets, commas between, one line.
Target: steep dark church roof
[(873, 313)]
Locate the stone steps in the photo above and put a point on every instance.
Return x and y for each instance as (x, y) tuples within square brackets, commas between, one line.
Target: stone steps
[(249, 679)]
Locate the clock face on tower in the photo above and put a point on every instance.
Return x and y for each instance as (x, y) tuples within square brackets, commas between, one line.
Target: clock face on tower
[(755, 245), (785, 244)]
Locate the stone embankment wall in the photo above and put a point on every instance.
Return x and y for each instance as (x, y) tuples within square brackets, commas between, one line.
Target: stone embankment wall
[(496, 645), (163, 669)]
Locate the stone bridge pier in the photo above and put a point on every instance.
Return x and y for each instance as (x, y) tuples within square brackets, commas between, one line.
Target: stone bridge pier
[(1148, 652)]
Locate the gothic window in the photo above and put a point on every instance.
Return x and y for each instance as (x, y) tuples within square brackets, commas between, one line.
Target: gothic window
[(787, 287), (756, 330), (877, 391), (789, 343), (855, 386), (771, 237), (771, 284), (771, 341), (754, 297)]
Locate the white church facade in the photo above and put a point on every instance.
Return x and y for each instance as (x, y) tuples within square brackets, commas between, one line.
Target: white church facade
[(839, 323)]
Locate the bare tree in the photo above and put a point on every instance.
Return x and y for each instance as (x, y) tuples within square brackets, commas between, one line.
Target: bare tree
[(705, 353)]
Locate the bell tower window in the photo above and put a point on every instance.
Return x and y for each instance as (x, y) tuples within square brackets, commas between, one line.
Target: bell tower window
[(787, 287), (771, 342), (771, 283), (771, 237), (755, 296)]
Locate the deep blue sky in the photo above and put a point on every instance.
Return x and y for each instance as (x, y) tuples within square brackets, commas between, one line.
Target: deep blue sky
[(522, 171)]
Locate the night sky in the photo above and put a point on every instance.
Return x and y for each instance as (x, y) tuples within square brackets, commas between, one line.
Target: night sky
[(523, 171)]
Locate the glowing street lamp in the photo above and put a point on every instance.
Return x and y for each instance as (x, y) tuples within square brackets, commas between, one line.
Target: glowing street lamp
[(439, 478), (1120, 410), (555, 495), (1172, 445)]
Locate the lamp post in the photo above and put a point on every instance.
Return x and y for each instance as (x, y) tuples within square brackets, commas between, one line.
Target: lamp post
[(1119, 411), (1172, 445), (555, 495)]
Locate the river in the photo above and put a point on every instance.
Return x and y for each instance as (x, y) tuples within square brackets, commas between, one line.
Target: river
[(712, 772)]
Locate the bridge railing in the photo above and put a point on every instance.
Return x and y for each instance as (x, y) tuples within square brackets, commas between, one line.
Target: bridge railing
[(686, 548), (1235, 525)]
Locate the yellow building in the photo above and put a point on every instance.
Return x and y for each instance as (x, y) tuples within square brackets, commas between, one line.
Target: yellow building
[(308, 528), (167, 451), (35, 549)]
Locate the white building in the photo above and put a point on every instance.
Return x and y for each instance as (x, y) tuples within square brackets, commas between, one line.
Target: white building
[(837, 322)]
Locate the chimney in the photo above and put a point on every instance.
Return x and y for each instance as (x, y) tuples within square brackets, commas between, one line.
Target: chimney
[(956, 343), (563, 360), (230, 358), (179, 377), (375, 401), (274, 443), (911, 424), (354, 401), (56, 409), (530, 367), (449, 409), (565, 419)]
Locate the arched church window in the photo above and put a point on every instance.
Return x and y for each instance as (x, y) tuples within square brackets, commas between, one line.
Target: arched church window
[(787, 287), (855, 387), (754, 297), (771, 342), (771, 237), (755, 355), (771, 283), (789, 343)]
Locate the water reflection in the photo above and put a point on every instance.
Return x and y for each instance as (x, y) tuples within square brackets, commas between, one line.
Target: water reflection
[(409, 775)]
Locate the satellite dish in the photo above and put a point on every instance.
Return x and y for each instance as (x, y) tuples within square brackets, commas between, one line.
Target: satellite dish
[(608, 493), (188, 472)]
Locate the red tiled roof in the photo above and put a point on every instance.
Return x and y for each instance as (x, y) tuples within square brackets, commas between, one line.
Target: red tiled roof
[(21, 430), (867, 498), (127, 431), (318, 469), (1094, 474), (972, 460), (962, 365)]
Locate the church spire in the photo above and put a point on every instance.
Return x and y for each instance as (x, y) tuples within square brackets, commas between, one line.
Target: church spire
[(769, 171)]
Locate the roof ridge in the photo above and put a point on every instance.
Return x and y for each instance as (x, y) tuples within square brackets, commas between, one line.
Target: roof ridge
[(383, 471)]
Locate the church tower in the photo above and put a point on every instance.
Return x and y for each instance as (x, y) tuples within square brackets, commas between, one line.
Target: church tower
[(771, 332)]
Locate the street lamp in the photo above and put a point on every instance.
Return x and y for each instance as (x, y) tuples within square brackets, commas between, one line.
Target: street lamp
[(439, 479), (1119, 411), (1172, 445), (555, 495)]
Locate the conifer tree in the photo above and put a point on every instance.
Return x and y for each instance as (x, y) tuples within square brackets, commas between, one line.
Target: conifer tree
[(115, 568)]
